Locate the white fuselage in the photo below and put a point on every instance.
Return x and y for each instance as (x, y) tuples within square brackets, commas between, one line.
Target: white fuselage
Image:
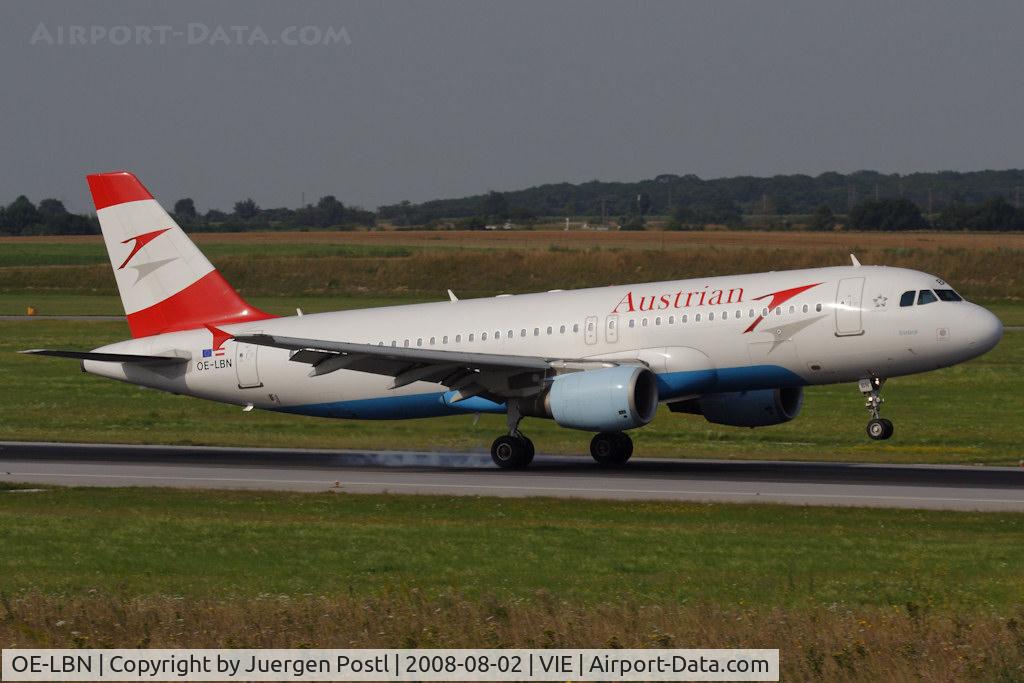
[(846, 324)]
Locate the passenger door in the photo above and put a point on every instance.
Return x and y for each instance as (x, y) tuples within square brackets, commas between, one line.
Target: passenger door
[(848, 307), (246, 366)]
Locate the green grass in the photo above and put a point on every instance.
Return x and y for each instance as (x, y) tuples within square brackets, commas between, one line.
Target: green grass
[(969, 413), (244, 544)]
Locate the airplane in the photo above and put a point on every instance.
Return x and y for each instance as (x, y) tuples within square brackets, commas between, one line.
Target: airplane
[(737, 350)]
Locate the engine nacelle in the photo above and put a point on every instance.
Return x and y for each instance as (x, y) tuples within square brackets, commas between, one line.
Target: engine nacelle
[(605, 400), (746, 408)]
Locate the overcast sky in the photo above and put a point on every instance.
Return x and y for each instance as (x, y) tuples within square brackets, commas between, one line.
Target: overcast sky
[(437, 99)]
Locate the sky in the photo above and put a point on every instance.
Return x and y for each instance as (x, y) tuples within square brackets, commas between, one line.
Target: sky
[(378, 102)]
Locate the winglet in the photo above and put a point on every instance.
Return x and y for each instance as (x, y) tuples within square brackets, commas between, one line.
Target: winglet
[(451, 295), (855, 261)]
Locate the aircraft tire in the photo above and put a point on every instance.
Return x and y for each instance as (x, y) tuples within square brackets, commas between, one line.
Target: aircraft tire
[(512, 452)]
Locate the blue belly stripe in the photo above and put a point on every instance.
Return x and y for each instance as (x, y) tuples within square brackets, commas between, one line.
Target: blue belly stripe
[(436, 404)]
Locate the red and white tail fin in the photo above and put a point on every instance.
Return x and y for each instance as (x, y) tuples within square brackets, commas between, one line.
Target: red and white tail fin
[(166, 283)]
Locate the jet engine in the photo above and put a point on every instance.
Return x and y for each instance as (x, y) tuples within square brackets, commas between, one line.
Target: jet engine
[(604, 400), (745, 408)]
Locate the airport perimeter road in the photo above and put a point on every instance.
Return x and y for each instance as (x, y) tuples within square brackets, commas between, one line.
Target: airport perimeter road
[(803, 483)]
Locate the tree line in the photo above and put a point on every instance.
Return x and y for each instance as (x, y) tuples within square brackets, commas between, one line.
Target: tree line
[(50, 217), (866, 200)]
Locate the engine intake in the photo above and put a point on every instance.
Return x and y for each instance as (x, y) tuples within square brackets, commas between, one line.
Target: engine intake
[(746, 408), (605, 400)]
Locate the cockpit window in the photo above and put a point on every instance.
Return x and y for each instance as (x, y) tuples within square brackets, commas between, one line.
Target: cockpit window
[(948, 295), (908, 298), (925, 296)]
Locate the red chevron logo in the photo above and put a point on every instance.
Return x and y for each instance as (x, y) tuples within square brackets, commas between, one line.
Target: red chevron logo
[(140, 241), (778, 298)]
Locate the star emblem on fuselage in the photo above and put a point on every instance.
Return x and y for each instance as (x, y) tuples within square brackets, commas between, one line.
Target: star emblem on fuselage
[(880, 301)]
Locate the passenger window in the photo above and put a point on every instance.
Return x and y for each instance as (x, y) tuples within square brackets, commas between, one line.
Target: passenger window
[(725, 315), (536, 332), (549, 327), (778, 311), (419, 342), (739, 314), (657, 321), (684, 319), (948, 295), (805, 308), (444, 339), (470, 336), (671, 319), (632, 323), (907, 299), (483, 337), (696, 318), (644, 322), (576, 328), (925, 296), (561, 329), (711, 316), (751, 315), (394, 342), (764, 312), (431, 341), (458, 338), (407, 343), (510, 335), (818, 308)]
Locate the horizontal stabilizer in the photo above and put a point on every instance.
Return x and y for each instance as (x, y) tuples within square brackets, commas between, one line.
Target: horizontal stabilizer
[(110, 357)]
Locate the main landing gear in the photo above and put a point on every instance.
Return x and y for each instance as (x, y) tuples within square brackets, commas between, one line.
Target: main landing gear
[(611, 448), (512, 451), (878, 428)]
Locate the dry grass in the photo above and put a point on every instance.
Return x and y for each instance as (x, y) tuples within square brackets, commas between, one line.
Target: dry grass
[(905, 643), (979, 273)]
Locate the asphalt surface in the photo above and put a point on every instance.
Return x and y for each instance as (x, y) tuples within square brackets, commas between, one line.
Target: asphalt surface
[(801, 483)]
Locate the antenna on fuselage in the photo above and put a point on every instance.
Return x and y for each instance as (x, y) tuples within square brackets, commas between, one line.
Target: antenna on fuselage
[(451, 295), (855, 261)]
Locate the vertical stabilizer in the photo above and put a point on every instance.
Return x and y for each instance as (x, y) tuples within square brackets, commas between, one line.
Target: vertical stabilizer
[(165, 282)]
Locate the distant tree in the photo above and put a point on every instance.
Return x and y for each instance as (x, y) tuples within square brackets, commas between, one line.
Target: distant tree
[(51, 207), (185, 210), (992, 214), (329, 212), (822, 219), (684, 218), (724, 211), (20, 215), (640, 204), (887, 214), (495, 205), (215, 216), (246, 209)]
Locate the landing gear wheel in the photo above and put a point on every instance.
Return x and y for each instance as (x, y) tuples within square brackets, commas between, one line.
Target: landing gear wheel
[(880, 429), (512, 452), (611, 448)]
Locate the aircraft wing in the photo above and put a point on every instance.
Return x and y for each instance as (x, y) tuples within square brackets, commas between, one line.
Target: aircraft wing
[(469, 374), (110, 357)]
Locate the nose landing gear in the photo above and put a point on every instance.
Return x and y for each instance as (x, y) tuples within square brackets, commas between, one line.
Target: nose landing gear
[(878, 427)]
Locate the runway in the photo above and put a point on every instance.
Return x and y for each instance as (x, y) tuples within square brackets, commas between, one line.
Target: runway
[(800, 483)]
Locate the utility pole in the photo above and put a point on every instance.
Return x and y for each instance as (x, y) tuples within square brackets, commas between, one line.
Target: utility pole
[(929, 201)]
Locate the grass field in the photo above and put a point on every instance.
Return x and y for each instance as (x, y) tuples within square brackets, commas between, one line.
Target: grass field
[(966, 414), (845, 593), (422, 265)]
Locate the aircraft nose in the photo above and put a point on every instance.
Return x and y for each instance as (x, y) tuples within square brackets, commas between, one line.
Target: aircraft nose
[(984, 331)]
